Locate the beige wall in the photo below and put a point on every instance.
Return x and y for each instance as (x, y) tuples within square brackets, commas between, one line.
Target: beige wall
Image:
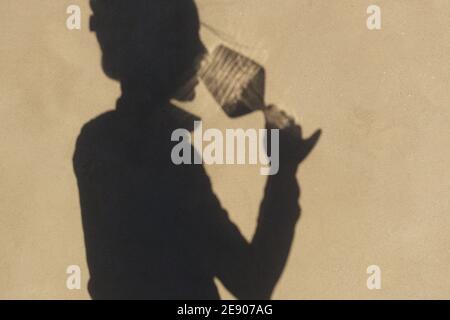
[(375, 191)]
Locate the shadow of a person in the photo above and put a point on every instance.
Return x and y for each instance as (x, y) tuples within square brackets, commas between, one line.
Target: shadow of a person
[(154, 230)]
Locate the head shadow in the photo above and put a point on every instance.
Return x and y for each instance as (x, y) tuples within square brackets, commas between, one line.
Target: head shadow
[(152, 47)]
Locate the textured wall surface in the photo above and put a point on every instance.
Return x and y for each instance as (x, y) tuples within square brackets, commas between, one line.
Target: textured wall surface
[(374, 191)]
